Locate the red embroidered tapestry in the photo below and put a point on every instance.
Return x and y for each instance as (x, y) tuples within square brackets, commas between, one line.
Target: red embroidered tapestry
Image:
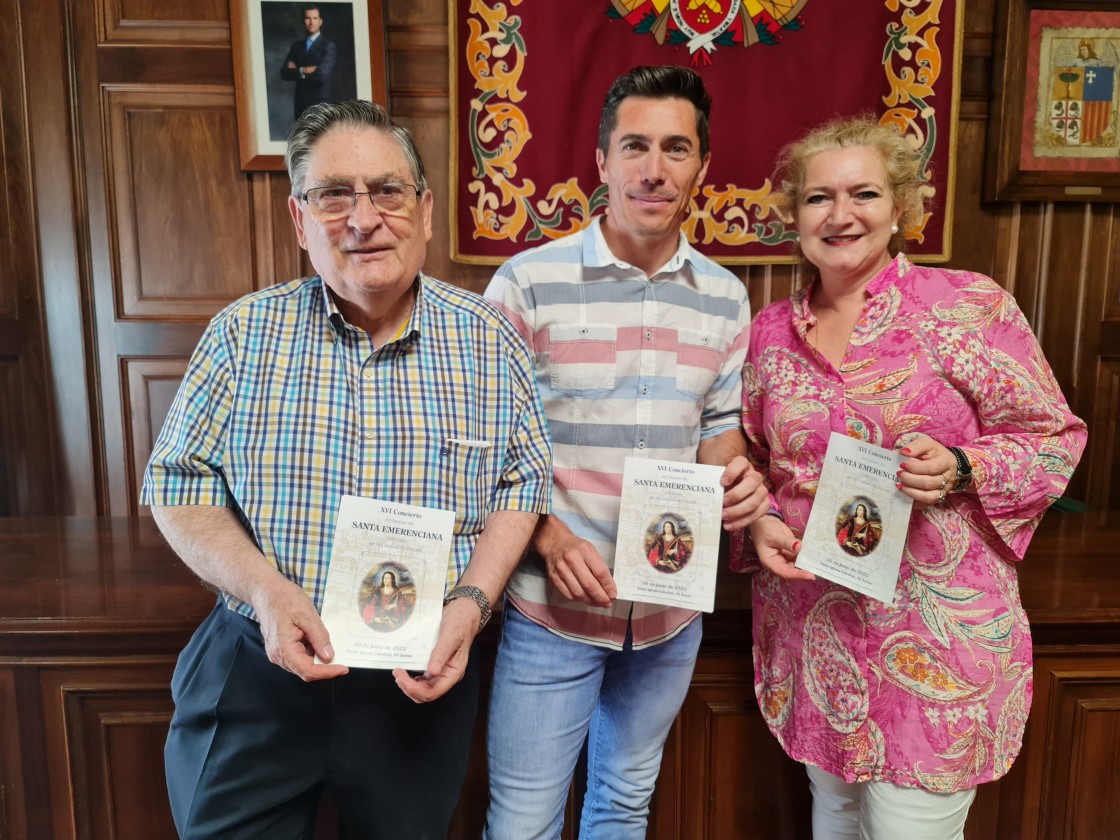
[(529, 77)]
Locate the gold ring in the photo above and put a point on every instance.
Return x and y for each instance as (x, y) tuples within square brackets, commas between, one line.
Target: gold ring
[(941, 495)]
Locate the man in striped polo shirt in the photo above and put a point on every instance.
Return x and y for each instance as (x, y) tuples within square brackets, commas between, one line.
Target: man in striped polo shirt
[(638, 343), (368, 379)]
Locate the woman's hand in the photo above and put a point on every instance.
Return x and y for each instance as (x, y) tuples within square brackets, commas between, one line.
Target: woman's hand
[(777, 548), (929, 474)]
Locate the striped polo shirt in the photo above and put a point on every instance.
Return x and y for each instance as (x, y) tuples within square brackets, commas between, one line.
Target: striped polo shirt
[(627, 365), (285, 407)]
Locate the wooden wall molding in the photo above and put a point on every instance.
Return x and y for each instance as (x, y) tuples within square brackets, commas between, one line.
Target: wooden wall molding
[(29, 476), (116, 733), (13, 815), (180, 215), (12, 436), (201, 22), (1104, 430), (151, 385), (1080, 770), (104, 723), (9, 309)]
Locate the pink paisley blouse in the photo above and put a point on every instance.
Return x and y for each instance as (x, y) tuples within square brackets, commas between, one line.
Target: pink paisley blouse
[(933, 690)]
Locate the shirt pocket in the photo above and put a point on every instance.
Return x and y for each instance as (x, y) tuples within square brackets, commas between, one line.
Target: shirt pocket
[(463, 465), (699, 356), (582, 357)]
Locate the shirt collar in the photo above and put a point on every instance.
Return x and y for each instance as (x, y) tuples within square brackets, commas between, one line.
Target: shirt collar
[(596, 252), (339, 324), (891, 273)]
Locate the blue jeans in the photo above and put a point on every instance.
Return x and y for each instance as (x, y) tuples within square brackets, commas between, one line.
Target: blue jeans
[(549, 695)]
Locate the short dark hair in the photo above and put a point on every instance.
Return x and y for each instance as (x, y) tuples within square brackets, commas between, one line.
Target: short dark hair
[(657, 82), (307, 7), (355, 113)]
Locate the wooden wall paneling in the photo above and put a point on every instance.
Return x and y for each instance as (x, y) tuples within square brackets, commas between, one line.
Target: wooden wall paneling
[(1092, 707), (105, 723), (180, 226), (736, 780), (121, 729), (1082, 750), (13, 814), (768, 283), (60, 244), (13, 436), (151, 385), (1055, 303), (977, 245), (1102, 461), (1076, 696), (1095, 350), (163, 21), (418, 58), (28, 438), (983, 816), (9, 310), (277, 255), (1098, 343), (170, 236), (286, 259)]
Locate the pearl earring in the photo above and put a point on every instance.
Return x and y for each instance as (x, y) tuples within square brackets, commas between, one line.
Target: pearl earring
[(894, 229)]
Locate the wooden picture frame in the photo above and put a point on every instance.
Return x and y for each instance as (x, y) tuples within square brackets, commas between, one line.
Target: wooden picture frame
[(1055, 103), (264, 35)]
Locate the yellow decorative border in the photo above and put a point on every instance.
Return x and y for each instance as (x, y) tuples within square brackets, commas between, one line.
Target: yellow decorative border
[(503, 208)]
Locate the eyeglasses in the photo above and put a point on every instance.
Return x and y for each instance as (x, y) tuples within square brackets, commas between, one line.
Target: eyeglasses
[(336, 202)]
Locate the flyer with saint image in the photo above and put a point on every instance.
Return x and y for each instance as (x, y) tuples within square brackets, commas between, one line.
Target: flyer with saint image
[(383, 599), (857, 527), (667, 550)]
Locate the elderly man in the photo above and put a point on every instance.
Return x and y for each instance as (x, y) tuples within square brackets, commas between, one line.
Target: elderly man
[(368, 379), (639, 343)]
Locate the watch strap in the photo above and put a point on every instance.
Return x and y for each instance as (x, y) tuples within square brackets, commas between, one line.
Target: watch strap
[(964, 470), (476, 595)]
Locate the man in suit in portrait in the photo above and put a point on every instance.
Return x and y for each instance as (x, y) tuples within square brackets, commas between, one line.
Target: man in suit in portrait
[(310, 63)]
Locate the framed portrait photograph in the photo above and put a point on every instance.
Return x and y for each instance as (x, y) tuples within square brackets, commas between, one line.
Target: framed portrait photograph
[(1055, 105), (291, 54)]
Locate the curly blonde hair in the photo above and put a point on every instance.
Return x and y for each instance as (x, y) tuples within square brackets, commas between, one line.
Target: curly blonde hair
[(902, 163)]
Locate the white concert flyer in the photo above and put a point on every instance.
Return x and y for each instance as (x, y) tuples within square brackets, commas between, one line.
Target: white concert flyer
[(383, 599), (857, 527), (667, 550)]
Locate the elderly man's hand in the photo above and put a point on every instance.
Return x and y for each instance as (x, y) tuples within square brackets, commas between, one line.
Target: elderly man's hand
[(448, 661), (293, 631)]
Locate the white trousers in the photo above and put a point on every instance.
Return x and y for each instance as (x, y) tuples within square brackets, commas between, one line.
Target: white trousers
[(882, 811)]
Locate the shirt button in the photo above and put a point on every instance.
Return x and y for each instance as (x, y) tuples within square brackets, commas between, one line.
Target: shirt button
[(649, 335), (645, 389), (368, 374), (369, 435), (641, 444)]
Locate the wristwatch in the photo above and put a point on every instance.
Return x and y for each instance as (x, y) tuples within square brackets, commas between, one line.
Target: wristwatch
[(964, 470), (476, 595)]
